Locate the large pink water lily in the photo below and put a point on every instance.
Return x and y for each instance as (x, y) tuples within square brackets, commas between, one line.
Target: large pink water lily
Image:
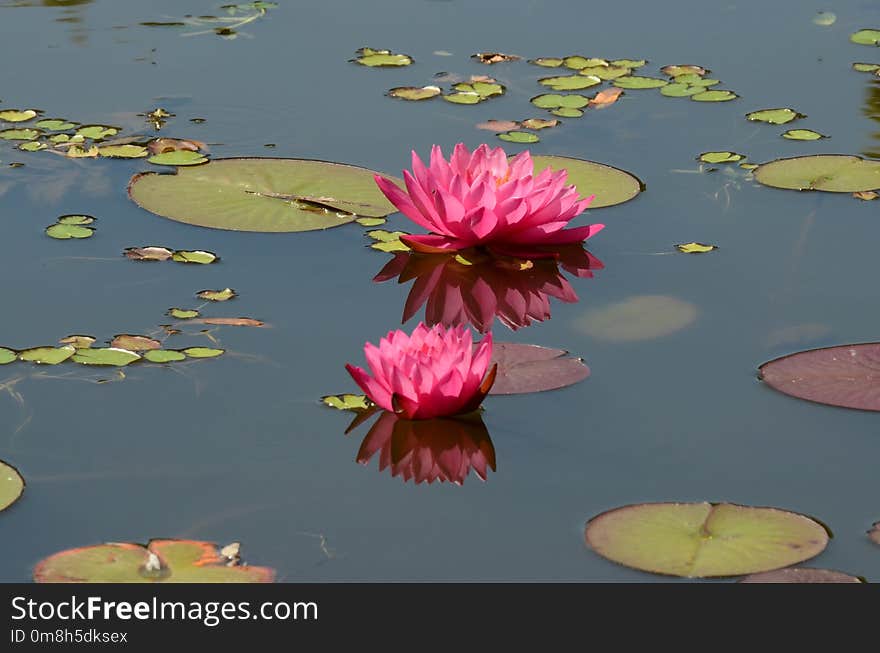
[(484, 199), (435, 372)]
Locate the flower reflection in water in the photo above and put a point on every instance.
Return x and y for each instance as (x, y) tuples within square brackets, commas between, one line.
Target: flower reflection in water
[(428, 450), (475, 286)]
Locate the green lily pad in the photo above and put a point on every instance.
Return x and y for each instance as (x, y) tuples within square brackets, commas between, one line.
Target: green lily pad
[(66, 138), (674, 70), (547, 62), (483, 89), (538, 123), (605, 72), (178, 158), (748, 166), (97, 132), (555, 101), (517, 136), (160, 561), (194, 256), (216, 295), (388, 241), (270, 195), (610, 185), (68, 231), (681, 90), (578, 62), (78, 341), (105, 356), (75, 218), (692, 79), (415, 93), (371, 222), (714, 96), (32, 146), (7, 356), (183, 313), (567, 112), (628, 63), (834, 173), (720, 157), (803, 135), (379, 58), (16, 115), (695, 248), (203, 352), (19, 134), (347, 402), (11, 485), (866, 37), (468, 97), (866, 67), (47, 355), (636, 82), (133, 342), (164, 356), (570, 82), (642, 317), (55, 124), (775, 116), (123, 151), (700, 540)]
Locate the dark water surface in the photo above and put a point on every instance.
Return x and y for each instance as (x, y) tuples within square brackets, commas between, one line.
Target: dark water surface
[(239, 449)]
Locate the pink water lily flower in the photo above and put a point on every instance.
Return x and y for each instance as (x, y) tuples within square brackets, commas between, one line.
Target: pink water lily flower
[(484, 199), (435, 372)]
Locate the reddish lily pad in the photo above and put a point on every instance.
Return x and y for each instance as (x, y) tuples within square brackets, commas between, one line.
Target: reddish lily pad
[(135, 342), (530, 368), (801, 575), (699, 540), (845, 375), (160, 561)]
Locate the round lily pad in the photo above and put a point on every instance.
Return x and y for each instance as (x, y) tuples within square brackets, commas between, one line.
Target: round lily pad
[(567, 112), (636, 82), (194, 256), (643, 317), (801, 575), (123, 151), (217, 295), (517, 136), (167, 561), (554, 100), (11, 485), (203, 352), (714, 96), (834, 173), (7, 356), (530, 368), (24, 134), (182, 313), (32, 146), (271, 195), (47, 355), (699, 540), (802, 135), (866, 37), (720, 157), (97, 132), (681, 90), (111, 356), (16, 115), (570, 82), (381, 58), (674, 70), (859, 67), (164, 356), (577, 62), (547, 62), (134, 342), (610, 185), (54, 124), (178, 158), (67, 231), (606, 72), (775, 116), (75, 218), (414, 92), (845, 375)]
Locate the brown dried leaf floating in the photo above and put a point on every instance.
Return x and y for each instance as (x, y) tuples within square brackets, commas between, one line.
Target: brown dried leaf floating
[(494, 57)]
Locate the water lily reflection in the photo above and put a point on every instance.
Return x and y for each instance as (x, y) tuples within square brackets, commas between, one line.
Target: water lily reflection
[(475, 286), (442, 449)]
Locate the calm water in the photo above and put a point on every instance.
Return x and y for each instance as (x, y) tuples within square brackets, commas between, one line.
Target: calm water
[(238, 449)]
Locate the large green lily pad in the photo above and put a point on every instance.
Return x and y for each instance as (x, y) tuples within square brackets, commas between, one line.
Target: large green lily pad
[(699, 540), (610, 185), (165, 561), (269, 195), (11, 485), (833, 173)]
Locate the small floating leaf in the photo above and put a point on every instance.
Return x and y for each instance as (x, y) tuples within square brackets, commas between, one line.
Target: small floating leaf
[(203, 352), (629, 63), (866, 37), (134, 342), (194, 256), (216, 295), (530, 368), (347, 402), (163, 356), (183, 313), (97, 132), (110, 356), (674, 70), (463, 98), (802, 135), (32, 146), (835, 173), (7, 356), (536, 123), (748, 166), (554, 100), (577, 62), (547, 62), (47, 355), (720, 157), (636, 82), (77, 152), (695, 80), (166, 561), (494, 57), (801, 575), (774, 116), (845, 375), (123, 151), (78, 341), (68, 231), (54, 124), (866, 195), (699, 540), (714, 96), (370, 222), (388, 241), (66, 138), (373, 58), (498, 125), (231, 321), (681, 90), (825, 18), (570, 82), (11, 485), (519, 137), (178, 158), (610, 185), (567, 112), (414, 92), (15, 115), (75, 218), (605, 72), (643, 317), (148, 253), (695, 248), (19, 134), (859, 67)]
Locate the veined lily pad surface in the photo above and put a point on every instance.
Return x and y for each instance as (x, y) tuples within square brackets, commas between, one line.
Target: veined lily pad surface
[(530, 368), (610, 185), (834, 173), (273, 195), (699, 540)]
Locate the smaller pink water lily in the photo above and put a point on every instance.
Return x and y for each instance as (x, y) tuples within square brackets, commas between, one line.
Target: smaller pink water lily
[(482, 199), (435, 372)]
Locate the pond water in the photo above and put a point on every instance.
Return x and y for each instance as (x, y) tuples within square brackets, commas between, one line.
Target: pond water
[(239, 449)]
